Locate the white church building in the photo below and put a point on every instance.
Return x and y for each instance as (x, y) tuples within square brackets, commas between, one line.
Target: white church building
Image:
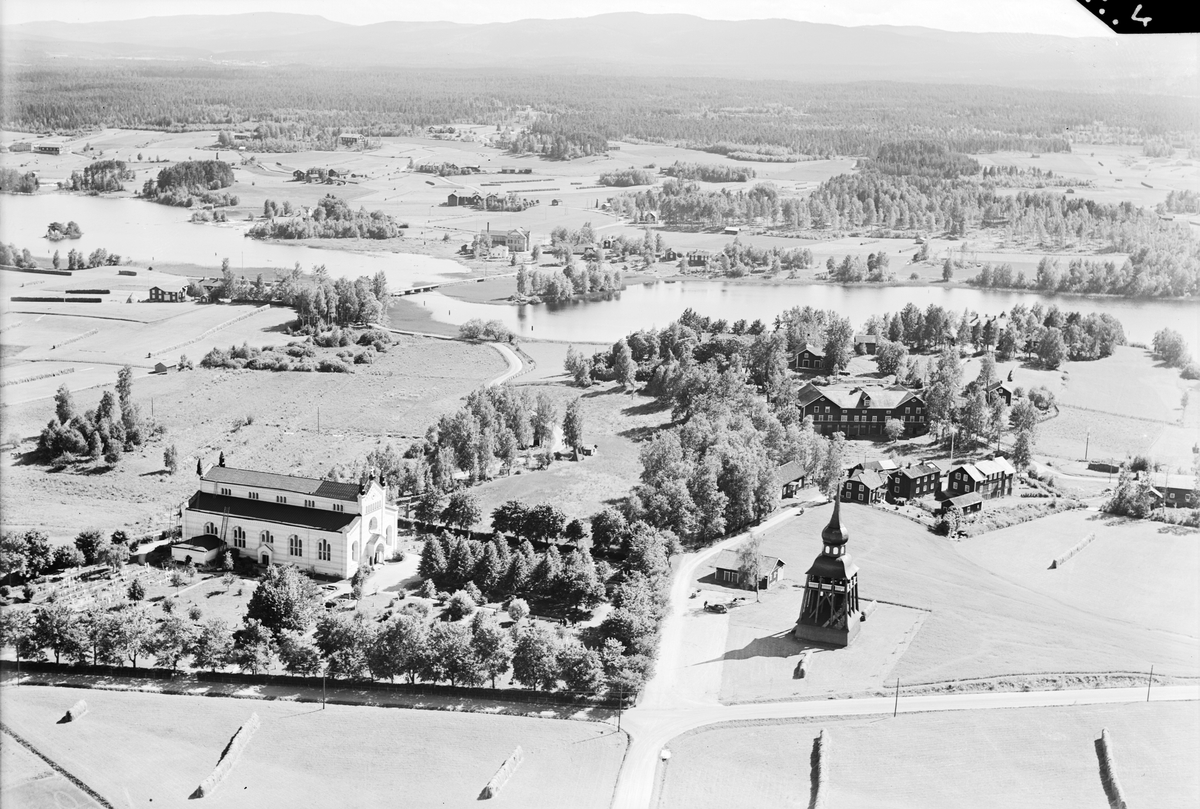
[(319, 526)]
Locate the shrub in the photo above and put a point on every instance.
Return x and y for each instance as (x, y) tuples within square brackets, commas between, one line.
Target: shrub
[(168, 606), (332, 367), (364, 357), (177, 579), (29, 592), (194, 613), (136, 591), (428, 589), (460, 606), (518, 609), (442, 597)]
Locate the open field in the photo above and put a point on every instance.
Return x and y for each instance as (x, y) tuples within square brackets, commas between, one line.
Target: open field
[(1117, 575), (397, 397), (136, 748), (1042, 757), (615, 422), (30, 783), (981, 622)]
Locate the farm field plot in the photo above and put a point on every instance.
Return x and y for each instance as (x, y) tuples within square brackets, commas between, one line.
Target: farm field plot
[(1042, 757), (135, 747), (30, 783), (982, 624), (1148, 389), (205, 412), (550, 357), (1118, 574), (613, 421)]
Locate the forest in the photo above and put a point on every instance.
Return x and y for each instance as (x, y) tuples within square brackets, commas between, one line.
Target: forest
[(101, 176), (331, 218), (14, 182), (577, 114), (191, 181)]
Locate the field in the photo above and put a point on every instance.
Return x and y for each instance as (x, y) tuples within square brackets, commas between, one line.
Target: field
[(30, 783), (615, 422), (984, 619), (135, 748), (1042, 757), (205, 412)]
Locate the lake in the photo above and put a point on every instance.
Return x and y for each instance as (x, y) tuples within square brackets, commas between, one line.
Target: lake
[(149, 233), (657, 303)]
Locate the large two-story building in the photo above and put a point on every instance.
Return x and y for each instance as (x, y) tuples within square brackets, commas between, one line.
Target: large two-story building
[(992, 478), (862, 411), (320, 526)]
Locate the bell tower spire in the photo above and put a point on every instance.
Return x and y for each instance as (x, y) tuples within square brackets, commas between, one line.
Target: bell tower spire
[(830, 613)]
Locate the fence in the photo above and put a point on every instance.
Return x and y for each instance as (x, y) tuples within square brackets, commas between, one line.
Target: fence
[(520, 695)]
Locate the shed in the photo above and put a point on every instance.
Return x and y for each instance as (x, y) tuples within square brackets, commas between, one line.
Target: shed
[(790, 478), (728, 570), (201, 550), (967, 503), (160, 368)]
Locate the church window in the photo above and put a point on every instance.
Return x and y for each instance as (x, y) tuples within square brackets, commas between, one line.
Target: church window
[(323, 549), (295, 546), (210, 528), (239, 537), (266, 537)]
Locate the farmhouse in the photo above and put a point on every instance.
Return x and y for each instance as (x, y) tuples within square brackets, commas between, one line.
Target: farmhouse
[(883, 467), (790, 478), (160, 295), (989, 478), (55, 147), (864, 486), (456, 198), (967, 503), (1177, 491), (808, 359), (859, 411), (698, 258), (866, 343), (320, 526), (913, 482), (729, 570), (1001, 389), (349, 139)]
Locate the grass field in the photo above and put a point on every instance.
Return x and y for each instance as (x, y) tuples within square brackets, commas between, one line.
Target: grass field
[(394, 399), (28, 782), (134, 748), (985, 620), (1043, 757)]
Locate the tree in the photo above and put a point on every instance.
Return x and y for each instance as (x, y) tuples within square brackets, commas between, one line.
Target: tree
[(750, 562), (401, 646), (975, 414), (829, 476), (171, 459), (460, 606), (1052, 350), (462, 510), (535, 657), (1133, 496), (580, 668), (1168, 344), (125, 385), (491, 645), (1022, 451), (134, 635), (253, 647), (429, 506), (624, 368), (67, 556), (579, 367), (284, 599), (89, 542), (891, 358), (543, 523), (55, 628), (344, 641), (450, 656), (173, 639), (16, 630), (136, 590), (609, 528), (509, 518), (64, 406), (947, 269), (839, 344), (893, 429), (298, 654), (213, 645), (573, 426), (433, 560), (518, 610)]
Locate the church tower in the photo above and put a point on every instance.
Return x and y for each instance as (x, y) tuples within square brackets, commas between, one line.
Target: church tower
[(830, 613)]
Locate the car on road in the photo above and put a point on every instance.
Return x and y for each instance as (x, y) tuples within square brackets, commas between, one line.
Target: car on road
[(718, 608)]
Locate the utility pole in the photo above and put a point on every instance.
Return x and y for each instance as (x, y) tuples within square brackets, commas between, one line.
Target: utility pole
[(1150, 683), (896, 707), (318, 419), (1086, 444), (323, 690)]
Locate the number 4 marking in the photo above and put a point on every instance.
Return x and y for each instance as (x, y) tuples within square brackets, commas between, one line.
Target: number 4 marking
[(1143, 20)]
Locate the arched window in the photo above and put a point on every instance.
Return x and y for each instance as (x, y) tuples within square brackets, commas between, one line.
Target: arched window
[(239, 537), (354, 551), (323, 551), (210, 528), (295, 546), (266, 537)]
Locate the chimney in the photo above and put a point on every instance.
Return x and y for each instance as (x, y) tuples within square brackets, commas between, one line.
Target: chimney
[(221, 459)]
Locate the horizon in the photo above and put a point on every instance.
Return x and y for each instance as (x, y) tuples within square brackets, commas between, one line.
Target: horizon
[(1041, 17)]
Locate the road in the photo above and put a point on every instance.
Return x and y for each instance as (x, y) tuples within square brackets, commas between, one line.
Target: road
[(514, 364), (668, 707)]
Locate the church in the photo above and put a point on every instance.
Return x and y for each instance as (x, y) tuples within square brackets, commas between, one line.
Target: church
[(830, 613), (320, 526)]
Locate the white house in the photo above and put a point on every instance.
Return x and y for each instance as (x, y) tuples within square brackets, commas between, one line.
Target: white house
[(317, 525)]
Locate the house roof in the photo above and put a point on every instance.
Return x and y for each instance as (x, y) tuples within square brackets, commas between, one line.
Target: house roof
[(832, 567), (968, 499), (883, 465), (868, 477), (996, 466), (816, 352), (204, 542), (970, 470), (808, 394), (866, 338), (728, 560), (919, 470), (1173, 482), (874, 398), (286, 483), (320, 519), (789, 472)]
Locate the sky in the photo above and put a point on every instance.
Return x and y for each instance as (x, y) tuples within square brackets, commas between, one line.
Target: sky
[(1061, 17)]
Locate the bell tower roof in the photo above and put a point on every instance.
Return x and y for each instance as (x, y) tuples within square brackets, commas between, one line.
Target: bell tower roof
[(833, 534)]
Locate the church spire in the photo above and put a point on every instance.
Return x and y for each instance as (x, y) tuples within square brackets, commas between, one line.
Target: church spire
[(834, 534)]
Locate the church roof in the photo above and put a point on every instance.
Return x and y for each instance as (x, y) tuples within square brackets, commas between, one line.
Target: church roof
[(320, 519), (286, 483), (833, 567)]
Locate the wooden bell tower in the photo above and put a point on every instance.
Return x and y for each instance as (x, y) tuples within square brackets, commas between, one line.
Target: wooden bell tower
[(830, 613)]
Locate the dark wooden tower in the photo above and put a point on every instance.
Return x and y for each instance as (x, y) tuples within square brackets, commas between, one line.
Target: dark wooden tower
[(830, 613)]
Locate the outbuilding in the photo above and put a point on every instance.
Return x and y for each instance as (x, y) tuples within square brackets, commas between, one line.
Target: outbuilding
[(199, 550), (729, 571)]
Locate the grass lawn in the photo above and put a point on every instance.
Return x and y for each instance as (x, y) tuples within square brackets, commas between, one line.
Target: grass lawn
[(30, 783), (985, 620), (1042, 757), (613, 420), (394, 399), (134, 748)]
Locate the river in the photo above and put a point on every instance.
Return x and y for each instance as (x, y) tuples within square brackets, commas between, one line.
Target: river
[(149, 233), (158, 233), (657, 303)]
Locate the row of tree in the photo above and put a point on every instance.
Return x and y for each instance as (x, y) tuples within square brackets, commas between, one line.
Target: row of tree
[(116, 426), (331, 218), (101, 176), (15, 182)]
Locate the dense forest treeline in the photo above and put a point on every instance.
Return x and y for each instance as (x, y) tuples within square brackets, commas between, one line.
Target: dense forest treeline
[(14, 182), (330, 218), (578, 114)]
